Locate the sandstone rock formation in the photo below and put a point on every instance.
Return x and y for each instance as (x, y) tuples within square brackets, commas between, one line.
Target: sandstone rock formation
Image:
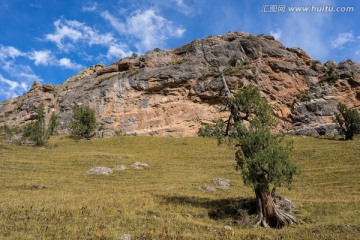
[(174, 92)]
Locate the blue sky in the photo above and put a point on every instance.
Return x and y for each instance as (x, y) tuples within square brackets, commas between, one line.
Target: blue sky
[(50, 40)]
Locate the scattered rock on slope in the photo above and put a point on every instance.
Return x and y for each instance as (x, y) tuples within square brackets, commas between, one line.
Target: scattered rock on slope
[(222, 182), (100, 171), (139, 165), (120, 167)]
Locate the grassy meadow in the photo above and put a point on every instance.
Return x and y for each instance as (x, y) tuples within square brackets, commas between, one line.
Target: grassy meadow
[(45, 193)]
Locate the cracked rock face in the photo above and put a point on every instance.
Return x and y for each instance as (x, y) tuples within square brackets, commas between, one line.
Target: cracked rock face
[(174, 92)]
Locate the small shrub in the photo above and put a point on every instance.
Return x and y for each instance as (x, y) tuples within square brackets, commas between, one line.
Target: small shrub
[(134, 55), (212, 130), (231, 70), (53, 124), (8, 132), (330, 78), (234, 61), (157, 49), (83, 123), (134, 72), (36, 131), (205, 75), (348, 121)]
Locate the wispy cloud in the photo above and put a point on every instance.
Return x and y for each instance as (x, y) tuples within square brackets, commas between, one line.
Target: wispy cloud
[(276, 34), (43, 57), (342, 39), (69, 32), (183, 7), (62, 33), (115, 23), (67, 63), (21, 72), (117, 51), (22, 76), (148, 27), (72, 35), (11, 84), (8, 87), (90, 7), (9, 52), (8, 56)]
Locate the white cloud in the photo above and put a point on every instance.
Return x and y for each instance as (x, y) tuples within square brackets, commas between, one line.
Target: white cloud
[(342, 39), (183, 7), (10, 89), (12, 85), (67, 63), (115, 23), (20, 72), (150, 29), (83, 35), (43, 57), (116, 51), (9, 52), (276, 34), (68, 32), (90, 7), (63, 32), (21, 75)]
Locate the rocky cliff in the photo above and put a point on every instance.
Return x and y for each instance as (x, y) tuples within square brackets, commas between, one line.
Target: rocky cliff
[(174, 92)]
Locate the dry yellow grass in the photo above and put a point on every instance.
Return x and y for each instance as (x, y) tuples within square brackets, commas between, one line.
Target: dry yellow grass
[(46, 194)]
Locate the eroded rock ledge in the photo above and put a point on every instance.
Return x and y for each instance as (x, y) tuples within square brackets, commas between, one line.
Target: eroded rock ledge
[(174, 92)]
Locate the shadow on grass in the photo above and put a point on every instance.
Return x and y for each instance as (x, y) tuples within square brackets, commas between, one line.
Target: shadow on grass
[(331, 138), (241, 210)]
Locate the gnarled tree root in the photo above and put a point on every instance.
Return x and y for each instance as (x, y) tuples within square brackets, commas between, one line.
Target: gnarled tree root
[(269, 215)]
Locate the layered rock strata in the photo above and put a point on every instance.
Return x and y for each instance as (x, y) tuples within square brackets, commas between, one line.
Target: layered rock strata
[(174, 92)]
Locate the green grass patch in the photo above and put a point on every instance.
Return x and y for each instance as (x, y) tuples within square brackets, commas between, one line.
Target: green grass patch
[(46, 193)]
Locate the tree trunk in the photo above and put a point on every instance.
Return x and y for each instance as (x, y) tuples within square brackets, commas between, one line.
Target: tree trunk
[(269, 215), (349, 135)]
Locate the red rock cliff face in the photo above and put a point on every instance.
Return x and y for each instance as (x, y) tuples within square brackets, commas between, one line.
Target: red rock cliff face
[(174, 92)]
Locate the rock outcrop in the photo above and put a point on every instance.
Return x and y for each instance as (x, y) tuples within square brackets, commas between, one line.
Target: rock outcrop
[(174, 92)]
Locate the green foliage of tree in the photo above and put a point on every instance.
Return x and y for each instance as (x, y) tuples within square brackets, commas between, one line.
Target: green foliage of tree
[(250, 103), (53, 123), (348, 121), (36, 131), (8, 132), (134, 55), (83, 123), (263, 158), (216, 130)]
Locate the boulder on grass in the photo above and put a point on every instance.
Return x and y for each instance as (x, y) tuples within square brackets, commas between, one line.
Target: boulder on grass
[(100, 171)]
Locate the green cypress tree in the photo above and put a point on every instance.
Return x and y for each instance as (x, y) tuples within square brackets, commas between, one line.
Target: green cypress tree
[(262, 157), (83, 123), (348, 121), (53, 123), (36, 131)]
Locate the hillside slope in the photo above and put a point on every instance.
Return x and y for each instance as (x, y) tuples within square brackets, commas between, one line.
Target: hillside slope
[(174, 92)]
